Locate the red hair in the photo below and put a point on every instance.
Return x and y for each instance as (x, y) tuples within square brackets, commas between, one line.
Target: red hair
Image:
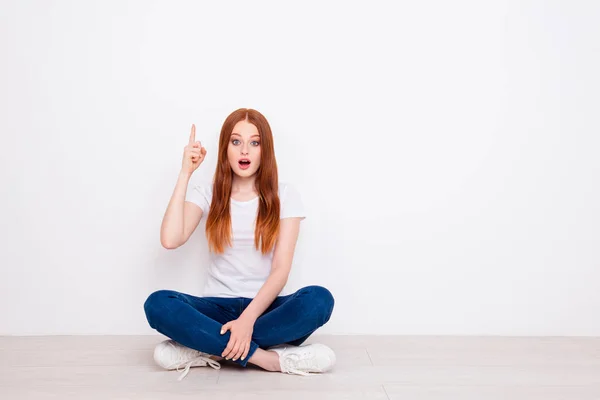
[(218, 223)]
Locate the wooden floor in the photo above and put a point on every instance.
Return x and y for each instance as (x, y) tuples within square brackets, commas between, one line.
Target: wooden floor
[(369, 367)]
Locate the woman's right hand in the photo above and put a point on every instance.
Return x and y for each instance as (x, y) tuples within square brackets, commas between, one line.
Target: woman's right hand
[(193, 154)]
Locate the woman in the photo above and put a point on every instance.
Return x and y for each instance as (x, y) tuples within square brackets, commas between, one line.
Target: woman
[(252, 226)]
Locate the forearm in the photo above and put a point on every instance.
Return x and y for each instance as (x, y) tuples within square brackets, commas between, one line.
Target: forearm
[(267, 294), (171, 230)]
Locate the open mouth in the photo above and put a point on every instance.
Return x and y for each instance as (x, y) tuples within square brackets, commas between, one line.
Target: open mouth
[(244, 164)]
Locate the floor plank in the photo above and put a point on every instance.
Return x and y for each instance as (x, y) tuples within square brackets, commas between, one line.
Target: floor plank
[(403, 392), (368, 367)]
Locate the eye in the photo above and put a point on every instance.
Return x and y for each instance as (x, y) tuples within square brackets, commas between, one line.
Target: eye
[(254, 141)]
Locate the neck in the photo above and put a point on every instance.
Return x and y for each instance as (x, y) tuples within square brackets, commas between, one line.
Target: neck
[(242, 184)]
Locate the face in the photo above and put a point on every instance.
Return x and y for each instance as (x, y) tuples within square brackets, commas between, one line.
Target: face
[(244, 144)]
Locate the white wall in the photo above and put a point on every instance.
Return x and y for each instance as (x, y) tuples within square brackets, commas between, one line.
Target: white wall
[(447, 153)]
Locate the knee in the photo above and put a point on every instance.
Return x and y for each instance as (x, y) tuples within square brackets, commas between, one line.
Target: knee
[(155, 303), (322, 301)]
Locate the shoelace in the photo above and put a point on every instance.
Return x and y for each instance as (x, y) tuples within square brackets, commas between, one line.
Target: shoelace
[(213, 363), (184, 355), (290, 364)]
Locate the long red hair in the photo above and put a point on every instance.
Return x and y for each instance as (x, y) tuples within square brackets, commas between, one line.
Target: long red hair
[(218, 222)]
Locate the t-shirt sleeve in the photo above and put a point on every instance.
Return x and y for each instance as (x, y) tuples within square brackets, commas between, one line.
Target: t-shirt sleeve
[(198, 194), (291, 203)]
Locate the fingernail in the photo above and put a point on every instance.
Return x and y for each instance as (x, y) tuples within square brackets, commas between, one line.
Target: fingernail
[(221, 332), (242, 358), (234, 359)]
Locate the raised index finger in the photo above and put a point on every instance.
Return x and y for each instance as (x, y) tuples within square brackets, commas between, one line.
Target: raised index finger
[(193, 134)]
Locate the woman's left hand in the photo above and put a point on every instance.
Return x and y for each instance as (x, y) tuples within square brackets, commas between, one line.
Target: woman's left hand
[(239, 341)]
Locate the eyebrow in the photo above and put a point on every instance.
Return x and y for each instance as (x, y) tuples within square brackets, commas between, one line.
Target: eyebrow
[(241, 135)]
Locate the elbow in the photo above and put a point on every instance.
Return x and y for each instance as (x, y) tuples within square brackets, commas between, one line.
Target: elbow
[(169, 244)]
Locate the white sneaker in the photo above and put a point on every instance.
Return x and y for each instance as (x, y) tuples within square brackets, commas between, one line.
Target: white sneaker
[(302, 360), (172, 355)]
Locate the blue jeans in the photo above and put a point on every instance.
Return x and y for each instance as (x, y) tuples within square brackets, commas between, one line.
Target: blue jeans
[(196, 322)]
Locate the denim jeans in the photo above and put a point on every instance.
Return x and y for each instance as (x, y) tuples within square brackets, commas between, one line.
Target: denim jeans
[(196, 322)]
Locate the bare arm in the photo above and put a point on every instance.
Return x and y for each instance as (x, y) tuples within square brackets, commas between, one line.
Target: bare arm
[(182, 217), (241, 328), (280, 268)]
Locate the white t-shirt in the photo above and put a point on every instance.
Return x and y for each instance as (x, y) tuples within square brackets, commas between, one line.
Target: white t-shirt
[(242, 270)]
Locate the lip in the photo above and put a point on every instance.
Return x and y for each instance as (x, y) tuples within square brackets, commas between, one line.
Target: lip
[(244, 166)]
